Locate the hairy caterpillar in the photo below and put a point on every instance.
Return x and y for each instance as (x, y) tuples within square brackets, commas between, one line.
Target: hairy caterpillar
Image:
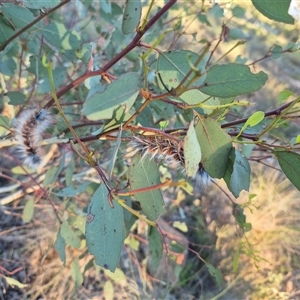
[(168, 151), (29, 129)]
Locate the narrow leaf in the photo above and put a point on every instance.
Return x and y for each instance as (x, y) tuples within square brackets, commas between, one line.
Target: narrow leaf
[(76, 273), (60, 247), (216, 274), (144, 173), (104, 229), (28, 210), (215, 146), (192, 151), (232, 80), (114, 154), (14, 282), (290, 165), (156, 246), (69, 235), (235, 262)]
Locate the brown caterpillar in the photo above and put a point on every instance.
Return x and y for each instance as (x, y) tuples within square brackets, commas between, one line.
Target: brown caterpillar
[(29, 129), (169, 151)]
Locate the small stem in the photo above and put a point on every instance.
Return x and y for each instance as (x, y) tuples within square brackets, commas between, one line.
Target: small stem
[(279, 117), (136, 213)]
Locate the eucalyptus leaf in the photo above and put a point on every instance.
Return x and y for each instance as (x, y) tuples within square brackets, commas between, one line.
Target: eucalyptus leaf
[(28, 210), (192, 151), (155, 246), (4, 122), (215, 273), (274, 10), (104, 229), (16, 98), (114, 154), (60, 247), (40, 4), (8, 67), (215, 146), (237, 175), (196, 97), (69, 235), (290, 165), (122, 92), (144, 173), (232, 80), (18, 16), (174, 65), (131, 16), (76, 273)]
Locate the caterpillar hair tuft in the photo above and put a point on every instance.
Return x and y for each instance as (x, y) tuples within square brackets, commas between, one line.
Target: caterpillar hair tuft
[(29, 129), (168, 151)]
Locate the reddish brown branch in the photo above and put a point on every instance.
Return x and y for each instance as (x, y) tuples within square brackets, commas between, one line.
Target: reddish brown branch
[(112, 62)]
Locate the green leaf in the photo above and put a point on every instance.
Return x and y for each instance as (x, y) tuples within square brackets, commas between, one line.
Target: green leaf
[(232, 80), (129, 218), (131, 16), (123, 91), (174, 65), (76, 273), (18, 16), (192, 151), (42, 4), (58, 36), (215, 146), (290, 165), (70, 171), (114, 154), (6, 30), (8, 67), (194, 97), (181, 226), (16, 98), (60, 247), (104, 229), (71, 191), (215, 273), (118, 276), (155, 246), (240, 217), (283, 95), (274, 10), (144, 173), (238, 12), (69, 236), (108, 290), (14, 282), (85, 53), (28, 211), (235, 262), (50, 176), (237, 175), (4, 122), (252, 121), (276, 51)]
